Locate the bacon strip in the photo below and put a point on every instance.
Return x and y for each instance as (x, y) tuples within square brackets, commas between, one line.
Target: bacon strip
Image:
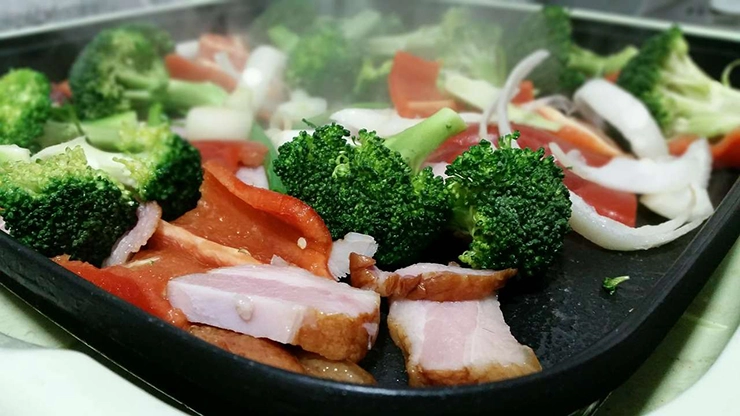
[(427, 281)]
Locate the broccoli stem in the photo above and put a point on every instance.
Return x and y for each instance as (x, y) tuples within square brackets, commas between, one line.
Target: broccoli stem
[(102, 132), (592, 64), (417, 142), (703, 105), (273, 180), (183, 95)]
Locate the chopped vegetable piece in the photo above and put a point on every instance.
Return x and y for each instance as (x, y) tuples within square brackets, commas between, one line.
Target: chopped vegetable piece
[(263, 222), (610, 283), (679, 94), (151, 161), (62, 206), (121, 70), (182, 68), (127, 284), (25, 106), (619, 206), (461, 41), (570, 65), (525, 94), (513, 205), (725, 152), (376, 187), (211, 44), (232, 154), (412, 84), (259, 136)]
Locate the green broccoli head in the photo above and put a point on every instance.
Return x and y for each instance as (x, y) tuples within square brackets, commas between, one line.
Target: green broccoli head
[(569, 65), (122, 69), (62, 206), (164, 168), (513, 205), (367, 188), (25, 105), (294, 15), (321, 63), (472, 46), (150, 161), (115, 70), (682, 98), (161, 39)]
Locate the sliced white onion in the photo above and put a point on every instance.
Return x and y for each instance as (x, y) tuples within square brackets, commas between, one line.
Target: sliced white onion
[(672, 204), (148, 215), (643, 176), (439, 169), (511, 86), (2, 226), (385, 122), (263, 70), (361, 244), (626, 113), (280, 137), (677, 203), (613, 235), (223, 62), (14, 153), (557, 101), (217, 123), (300, 106), (253, 176), (187, 49)]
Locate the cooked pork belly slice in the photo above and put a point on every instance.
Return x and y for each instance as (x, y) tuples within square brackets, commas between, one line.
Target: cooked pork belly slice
[(344, 371), (451, 343), (257, 349), (282, 303), (427, 281)]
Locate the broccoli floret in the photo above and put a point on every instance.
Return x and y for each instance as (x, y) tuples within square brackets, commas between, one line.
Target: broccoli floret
[(161, 39), (151, 161), (461, 41), (375, 186), (62, 206), (682, 98), (25, 105), (329, 59), (121, 70), (295, 15), (569, 65), (610, 283), (371, 83), (511, 203), (322, 61)]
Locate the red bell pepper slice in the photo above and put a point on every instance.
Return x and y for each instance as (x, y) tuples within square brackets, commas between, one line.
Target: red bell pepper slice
[(182, 68), (232, 154), (412, 84), (263, 222)]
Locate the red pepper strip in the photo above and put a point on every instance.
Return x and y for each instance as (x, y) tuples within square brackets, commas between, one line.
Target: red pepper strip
[(620, 206), (725, 152), (182, 68), (263, 222), (144, 286), (525, 94), (412, 84), (210, 44), (232, 154)]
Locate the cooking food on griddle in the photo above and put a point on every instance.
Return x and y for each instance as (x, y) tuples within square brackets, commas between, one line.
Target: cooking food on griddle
[(270, 191)]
